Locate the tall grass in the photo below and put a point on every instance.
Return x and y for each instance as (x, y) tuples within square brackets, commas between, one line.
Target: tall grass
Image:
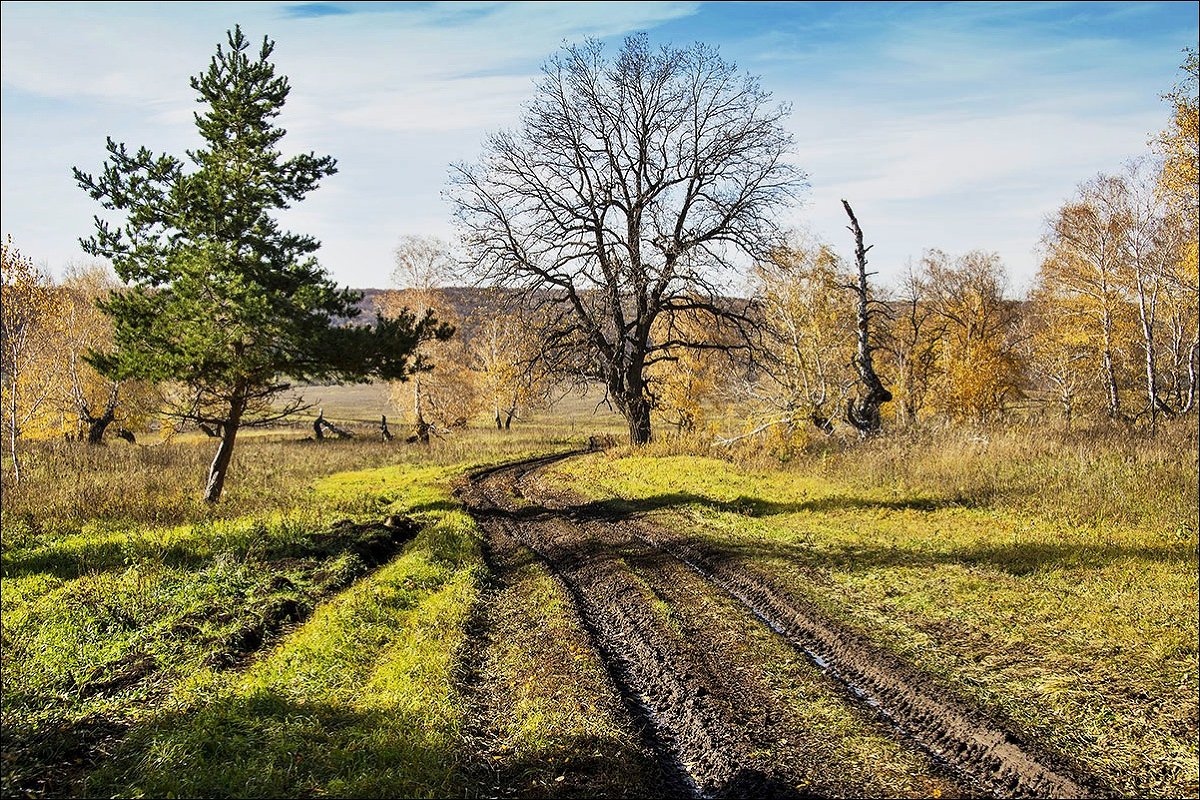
[(68, 484), (1089, 476), (1050, 577)]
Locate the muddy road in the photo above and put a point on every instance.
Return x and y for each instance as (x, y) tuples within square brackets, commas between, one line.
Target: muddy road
[(670, 618)]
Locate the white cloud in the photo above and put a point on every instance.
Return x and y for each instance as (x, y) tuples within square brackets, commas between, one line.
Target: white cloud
[(954, 126)]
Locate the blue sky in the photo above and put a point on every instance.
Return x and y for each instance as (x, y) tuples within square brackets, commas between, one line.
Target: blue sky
[(949, 125)]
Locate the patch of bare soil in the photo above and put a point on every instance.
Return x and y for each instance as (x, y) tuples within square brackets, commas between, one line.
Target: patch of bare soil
[(514, 649), (712, 713)]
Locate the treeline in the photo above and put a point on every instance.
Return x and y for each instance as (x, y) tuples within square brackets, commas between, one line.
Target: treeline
[(49, 330), (1110, 329), (609, 227)]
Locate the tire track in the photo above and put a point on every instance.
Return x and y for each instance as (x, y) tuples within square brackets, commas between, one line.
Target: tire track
[(696, 707)]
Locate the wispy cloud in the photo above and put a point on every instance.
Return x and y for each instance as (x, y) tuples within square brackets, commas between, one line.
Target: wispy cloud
[(303, 10), (954, 125)]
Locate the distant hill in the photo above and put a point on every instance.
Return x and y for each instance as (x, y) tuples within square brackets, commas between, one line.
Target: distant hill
[(469, 303)]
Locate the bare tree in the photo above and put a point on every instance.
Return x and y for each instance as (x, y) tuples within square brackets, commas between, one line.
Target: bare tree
[(637, 186), (863, 412), (912, 340)]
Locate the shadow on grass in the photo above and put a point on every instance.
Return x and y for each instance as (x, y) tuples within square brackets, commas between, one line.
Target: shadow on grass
[(1021, 558), (47, 760), (440, 506), (572, 766), (749, 506), (77, 560), (270, 745), (72, 561), (1017, 559)]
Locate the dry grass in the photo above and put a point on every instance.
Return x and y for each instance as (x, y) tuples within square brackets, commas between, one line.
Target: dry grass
[(1089, 477), (1053, 579)]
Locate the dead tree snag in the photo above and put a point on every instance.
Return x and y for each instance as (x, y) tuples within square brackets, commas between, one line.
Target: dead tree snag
[(863, 412)]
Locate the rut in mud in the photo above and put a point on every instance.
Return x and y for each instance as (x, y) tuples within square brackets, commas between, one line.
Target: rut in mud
[(662, 614)]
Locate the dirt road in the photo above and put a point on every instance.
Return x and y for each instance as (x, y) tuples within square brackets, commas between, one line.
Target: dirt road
[(670, 620)]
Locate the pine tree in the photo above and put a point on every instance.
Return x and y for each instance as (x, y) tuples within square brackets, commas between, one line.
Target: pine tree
[(221, 299)]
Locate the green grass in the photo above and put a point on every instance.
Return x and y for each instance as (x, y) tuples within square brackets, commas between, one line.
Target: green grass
[(155, 645), (181, 639), (1082, 633), (356, 702)]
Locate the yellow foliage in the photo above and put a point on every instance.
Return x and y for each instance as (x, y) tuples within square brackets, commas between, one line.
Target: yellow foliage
[(84, 328), (504, 355), (979, 371), (810, 328), (684, 379), (446, 394), (1180, 142), (29, 317)]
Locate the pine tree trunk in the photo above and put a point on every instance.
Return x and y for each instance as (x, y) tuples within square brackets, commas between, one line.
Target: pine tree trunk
[(220, 464)]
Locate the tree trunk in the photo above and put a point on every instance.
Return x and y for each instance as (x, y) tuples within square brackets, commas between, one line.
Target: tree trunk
[(220, 464), (422, 425), (1110, 373), (96, 428), (1147, 311), (12, 450), (1193, 358), (512, 412), (97, 424), (637, 414), (864, 414)]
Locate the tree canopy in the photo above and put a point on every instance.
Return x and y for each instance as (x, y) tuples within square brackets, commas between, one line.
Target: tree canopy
[(220, 297), (637, 188)]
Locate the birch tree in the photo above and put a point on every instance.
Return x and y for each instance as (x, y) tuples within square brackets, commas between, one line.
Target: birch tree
[(30, 306)]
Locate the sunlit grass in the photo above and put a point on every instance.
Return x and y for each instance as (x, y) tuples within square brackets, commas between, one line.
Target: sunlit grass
[(123, 628), (357, 702), (1079, 625)]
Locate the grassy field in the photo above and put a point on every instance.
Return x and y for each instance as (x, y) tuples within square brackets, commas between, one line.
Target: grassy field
[(139, 644), (159, 636), (1054, 581), (285, 643)]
